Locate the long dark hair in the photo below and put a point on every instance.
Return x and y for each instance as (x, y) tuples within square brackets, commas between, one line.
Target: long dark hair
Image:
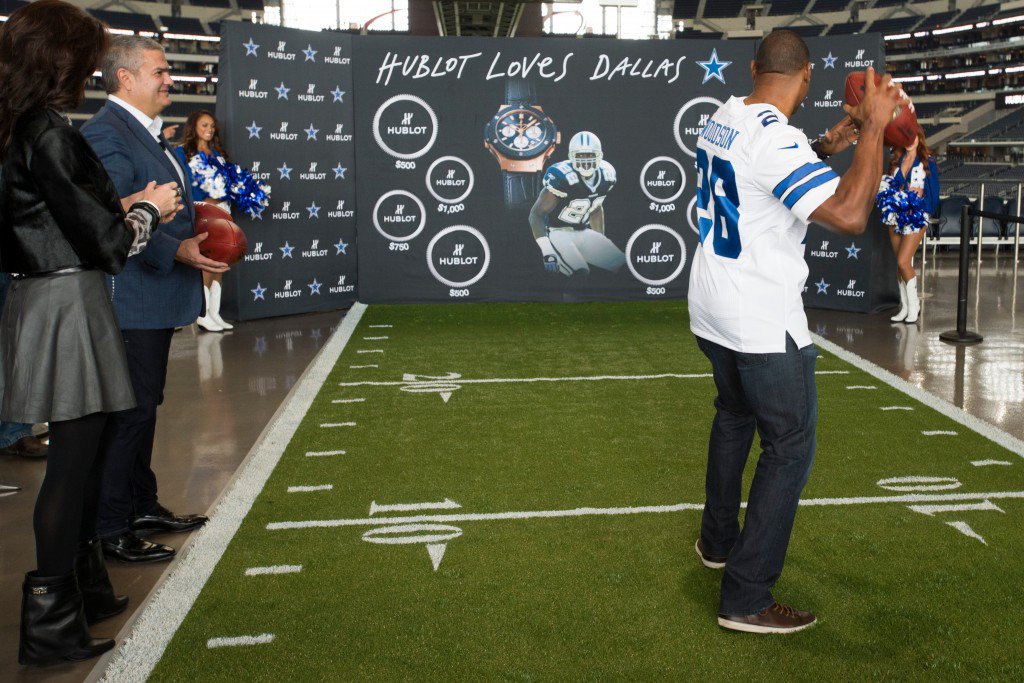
[(923, 153), (48, 50), (190, 136)]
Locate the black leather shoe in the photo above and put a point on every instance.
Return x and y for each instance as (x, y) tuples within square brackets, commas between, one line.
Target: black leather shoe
[(53, 627), (130, 548), (163, 519), (93, 582)]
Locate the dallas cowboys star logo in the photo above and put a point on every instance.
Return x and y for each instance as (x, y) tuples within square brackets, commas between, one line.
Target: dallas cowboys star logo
[(852, 251), (254, 130), (314, 287), (282, 91), (250, 48), (339, 171), (338, 93), (258, 292), (822, 286), (286, 250), (311, 132), (713, 68), (309, 52), (341, 247), (830, 61), (314, 210), (285, 171)]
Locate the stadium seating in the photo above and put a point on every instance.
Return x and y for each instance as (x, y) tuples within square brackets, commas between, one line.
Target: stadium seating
[(127, 21), (187, 25)]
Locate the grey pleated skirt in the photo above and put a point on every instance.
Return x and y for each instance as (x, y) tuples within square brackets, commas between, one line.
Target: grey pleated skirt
[(61, 352)]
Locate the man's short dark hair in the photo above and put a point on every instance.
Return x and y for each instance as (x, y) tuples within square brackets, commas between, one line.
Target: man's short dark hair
[(781, 52)]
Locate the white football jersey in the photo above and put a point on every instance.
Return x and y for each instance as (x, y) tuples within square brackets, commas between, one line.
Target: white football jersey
[(758, 181)]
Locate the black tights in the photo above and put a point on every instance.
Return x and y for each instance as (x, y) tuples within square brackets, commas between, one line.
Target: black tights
[(66, 507)]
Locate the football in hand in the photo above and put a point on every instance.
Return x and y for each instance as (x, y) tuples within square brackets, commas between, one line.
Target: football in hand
[(902, 130), (225, 241)]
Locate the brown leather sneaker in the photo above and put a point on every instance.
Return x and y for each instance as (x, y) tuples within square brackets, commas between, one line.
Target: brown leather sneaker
[(707, 560), (28, 447), (775, 619)]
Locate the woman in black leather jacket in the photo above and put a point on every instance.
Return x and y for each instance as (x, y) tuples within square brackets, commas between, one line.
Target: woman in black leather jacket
[(61, 355)]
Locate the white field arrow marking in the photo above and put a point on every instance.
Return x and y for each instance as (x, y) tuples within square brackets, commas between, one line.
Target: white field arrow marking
[(436, 551), (966, 530), (446, 504), (986, 463), (932, 510)]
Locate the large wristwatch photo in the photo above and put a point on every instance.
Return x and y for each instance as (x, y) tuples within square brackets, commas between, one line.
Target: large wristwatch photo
[(522, 138)]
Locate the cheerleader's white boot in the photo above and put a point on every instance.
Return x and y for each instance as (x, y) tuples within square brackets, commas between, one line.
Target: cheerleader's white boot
[(902, 315), (913, 302), (214, 307), (207, 322)]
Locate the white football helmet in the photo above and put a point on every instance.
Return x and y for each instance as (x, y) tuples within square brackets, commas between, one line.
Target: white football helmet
[(585, 153)]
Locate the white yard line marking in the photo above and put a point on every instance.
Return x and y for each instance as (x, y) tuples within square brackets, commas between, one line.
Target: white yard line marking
[(966, 530), (307, 489), (986, 463), (323, 454), (348, 400), (361, 367), (517, 380), (379, 326), (143, 640), (275, 569), (938, 432), (329, 425), (608, 512), (932, 510), (896, 408), (235, 641), (861, 386), (831, 372), (987, 430), (369, 350), (374, 338), (446, 504)]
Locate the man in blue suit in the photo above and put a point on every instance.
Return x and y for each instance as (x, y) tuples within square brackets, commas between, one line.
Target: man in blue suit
[(158, 290)]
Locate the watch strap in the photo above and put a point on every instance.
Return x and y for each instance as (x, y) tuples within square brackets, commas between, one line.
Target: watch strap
[(520, 92), (521, 189)]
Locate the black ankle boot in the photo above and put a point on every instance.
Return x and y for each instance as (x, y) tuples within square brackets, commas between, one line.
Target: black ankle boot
[(53, 627), (97, 593)]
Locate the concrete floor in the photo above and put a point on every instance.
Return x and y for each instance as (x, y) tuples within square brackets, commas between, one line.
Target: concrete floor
[(223, 389)]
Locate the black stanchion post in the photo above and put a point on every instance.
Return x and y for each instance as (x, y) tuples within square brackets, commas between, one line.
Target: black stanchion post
[(961, 335)]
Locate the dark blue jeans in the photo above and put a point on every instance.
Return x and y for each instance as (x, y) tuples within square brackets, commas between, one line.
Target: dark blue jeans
[(774, 394)]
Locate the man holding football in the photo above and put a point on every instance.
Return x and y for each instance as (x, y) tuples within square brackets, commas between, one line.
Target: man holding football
[(759, 184), (568, 217)]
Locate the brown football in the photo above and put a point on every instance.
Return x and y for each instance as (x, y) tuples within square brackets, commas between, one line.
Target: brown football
[(902, 130), (225, 241)]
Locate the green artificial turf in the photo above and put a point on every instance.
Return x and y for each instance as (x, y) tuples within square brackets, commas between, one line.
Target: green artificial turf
[(899, 594)]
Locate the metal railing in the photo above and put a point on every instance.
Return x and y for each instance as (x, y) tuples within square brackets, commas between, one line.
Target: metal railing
[(961, 335)]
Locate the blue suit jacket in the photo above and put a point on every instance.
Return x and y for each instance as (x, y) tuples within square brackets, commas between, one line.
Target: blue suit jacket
[(153, 291)]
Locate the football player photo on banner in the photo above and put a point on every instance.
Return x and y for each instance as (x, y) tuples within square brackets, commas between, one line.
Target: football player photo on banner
[(532, 169), (285, 106)]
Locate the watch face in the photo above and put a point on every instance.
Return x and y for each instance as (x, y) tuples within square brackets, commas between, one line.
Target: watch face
[(521, 132)]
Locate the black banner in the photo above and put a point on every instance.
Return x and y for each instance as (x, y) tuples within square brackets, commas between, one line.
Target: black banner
[(285, 98)]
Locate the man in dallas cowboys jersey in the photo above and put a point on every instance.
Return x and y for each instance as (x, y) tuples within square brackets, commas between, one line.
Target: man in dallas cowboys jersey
[(568, 217), (759, 184)]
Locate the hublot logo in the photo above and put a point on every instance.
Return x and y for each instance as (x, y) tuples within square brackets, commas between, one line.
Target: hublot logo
[(280, 53), (859, 62), (457, 259), (450, 180), (314, 251), (337, 135), (336, 58), (288, 292), (312, 173), (283, 134), (341, 211), (285, 214), (828, 102), (257, 254), (399, 216), (824, 252), (341, 287), (310, 96), (253, 92), (851, 290), (255, 172)]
